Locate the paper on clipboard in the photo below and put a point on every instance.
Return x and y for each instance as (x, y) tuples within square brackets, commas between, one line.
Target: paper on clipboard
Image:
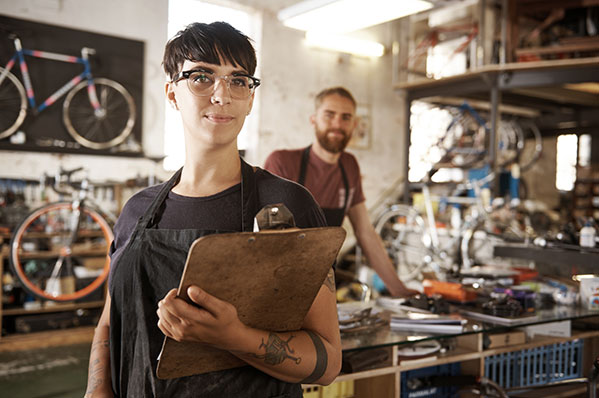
[(271, 278)]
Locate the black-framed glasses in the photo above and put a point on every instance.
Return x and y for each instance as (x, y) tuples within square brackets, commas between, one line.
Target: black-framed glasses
[(202, 83)]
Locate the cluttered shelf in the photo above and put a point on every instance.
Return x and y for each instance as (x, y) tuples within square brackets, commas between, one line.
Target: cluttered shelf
[(380, 361), (550, 255), (386, 336)]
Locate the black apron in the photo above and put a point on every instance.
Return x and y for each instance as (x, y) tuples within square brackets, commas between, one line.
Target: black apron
[(150, 266), (334, 216)]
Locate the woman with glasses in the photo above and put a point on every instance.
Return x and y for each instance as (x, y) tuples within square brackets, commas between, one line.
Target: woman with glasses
[(210, 83)]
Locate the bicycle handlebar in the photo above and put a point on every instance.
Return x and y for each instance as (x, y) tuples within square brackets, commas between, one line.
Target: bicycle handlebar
[(56, 181)]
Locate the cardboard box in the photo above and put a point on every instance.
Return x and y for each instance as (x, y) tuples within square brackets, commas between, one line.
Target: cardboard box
[(504, 339), (555, 329)]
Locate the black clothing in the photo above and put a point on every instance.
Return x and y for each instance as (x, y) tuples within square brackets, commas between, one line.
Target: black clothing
[(334, 216), (152, 238)]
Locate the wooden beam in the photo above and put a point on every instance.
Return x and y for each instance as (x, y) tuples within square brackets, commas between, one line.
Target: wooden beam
[(547, 5), (561, 95)]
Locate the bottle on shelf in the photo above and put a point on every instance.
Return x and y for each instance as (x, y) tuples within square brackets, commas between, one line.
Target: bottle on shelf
[(587, 235)]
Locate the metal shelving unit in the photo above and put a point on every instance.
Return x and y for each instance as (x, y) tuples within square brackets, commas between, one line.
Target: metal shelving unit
[(544, 86)]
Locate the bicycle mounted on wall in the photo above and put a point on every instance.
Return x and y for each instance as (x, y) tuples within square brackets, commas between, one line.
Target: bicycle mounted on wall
[(98, 113)]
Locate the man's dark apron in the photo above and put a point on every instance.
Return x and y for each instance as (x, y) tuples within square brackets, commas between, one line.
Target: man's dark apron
[(150, 266), (334, 216)]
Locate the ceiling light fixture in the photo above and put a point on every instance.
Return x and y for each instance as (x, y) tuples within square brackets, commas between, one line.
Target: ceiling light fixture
[(344, 44), (342, 16)]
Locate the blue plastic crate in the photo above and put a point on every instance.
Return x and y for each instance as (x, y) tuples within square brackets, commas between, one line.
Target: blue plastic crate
[(451, 369), (536, 366)]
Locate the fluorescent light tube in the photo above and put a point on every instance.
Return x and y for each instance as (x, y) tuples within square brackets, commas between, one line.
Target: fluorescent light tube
[(342, 16), (344, 44)]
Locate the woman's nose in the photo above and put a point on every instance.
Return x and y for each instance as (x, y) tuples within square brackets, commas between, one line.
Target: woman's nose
[(221, 94)]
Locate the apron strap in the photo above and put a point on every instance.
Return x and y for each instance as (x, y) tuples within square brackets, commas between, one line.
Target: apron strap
[(345, 184), (304, 165), (249, 197), (149, 216), (304, 168)]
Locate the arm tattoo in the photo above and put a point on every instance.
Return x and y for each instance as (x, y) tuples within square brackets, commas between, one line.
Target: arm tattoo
[(277, 350), (321, 359), (95, 376), (100, 344), (95, 368), (330, 280)]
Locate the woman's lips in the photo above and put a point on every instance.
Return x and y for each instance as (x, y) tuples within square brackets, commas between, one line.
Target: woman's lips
[(218, 118)]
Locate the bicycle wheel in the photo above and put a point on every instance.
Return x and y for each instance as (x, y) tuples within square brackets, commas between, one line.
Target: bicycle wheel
[(13, 103), (532, 147), (53, 265), (402, 230), (99, 128)]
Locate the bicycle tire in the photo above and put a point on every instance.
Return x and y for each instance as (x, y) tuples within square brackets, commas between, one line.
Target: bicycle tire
[(13, 104), (401, 229), (531, 135), (45, 229), (99, 130), (464, 141)]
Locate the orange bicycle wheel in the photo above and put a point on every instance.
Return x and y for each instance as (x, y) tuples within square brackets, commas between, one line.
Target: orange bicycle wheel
[(52, 261)]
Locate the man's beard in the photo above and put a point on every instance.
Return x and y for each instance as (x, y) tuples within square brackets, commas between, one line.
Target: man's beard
[(332, 145)]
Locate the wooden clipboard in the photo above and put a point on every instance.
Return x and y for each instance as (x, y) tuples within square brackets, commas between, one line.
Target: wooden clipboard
[(270, 277)]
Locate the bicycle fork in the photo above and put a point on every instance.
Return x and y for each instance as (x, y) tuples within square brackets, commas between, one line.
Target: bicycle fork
[(59, 283)]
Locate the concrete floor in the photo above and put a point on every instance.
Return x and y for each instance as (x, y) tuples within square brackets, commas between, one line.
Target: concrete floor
[(45, 373)]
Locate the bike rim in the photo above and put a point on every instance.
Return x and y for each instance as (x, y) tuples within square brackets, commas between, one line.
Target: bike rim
[(18, 266), (84, 123), (18, 100)]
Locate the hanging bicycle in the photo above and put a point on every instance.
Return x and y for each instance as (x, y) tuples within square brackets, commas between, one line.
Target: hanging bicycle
[(98, 113), (59, 251)]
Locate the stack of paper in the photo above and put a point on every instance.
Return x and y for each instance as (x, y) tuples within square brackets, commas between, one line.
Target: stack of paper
[(428, 323)]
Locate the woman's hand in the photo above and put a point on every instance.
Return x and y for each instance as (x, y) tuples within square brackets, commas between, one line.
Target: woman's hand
[(212, 321)]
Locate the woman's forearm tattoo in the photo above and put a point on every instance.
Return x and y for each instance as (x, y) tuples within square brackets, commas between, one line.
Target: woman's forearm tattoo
[(96, 368), (277, 350), (321, 359)]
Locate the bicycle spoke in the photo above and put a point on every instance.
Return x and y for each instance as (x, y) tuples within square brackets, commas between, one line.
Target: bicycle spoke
[(51, 270), (107, 128)]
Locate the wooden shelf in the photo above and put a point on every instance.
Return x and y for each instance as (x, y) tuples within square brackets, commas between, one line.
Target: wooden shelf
[(81, 234), (58, 307), (56, 253), (37, 340)]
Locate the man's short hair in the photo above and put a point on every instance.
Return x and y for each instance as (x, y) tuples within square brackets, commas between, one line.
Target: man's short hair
[(209, 43), (342, 91)]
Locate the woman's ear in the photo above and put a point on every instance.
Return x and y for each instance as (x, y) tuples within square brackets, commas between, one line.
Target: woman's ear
[(170, 95), (250, 105)]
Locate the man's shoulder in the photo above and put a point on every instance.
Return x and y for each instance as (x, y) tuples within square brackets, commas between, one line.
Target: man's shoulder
[(286, 154), (349, 160)]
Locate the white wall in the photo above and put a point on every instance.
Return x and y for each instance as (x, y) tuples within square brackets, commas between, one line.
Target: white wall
[(292, 74)]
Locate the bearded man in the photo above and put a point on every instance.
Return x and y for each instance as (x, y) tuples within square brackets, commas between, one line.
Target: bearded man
[(333, 177)]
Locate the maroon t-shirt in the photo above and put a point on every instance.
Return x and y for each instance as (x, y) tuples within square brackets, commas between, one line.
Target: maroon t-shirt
[(323, 180)]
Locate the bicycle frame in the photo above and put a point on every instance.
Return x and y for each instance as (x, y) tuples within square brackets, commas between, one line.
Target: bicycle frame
[(86, 74)]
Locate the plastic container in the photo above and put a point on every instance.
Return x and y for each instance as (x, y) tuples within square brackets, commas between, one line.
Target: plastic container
[(535, 366), (589, 292), (587, 235)]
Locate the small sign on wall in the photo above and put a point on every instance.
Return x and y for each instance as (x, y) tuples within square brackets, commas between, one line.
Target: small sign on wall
[(362, 136)]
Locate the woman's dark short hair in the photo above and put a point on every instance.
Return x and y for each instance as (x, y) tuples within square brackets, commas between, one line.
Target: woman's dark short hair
[(209, 43)]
